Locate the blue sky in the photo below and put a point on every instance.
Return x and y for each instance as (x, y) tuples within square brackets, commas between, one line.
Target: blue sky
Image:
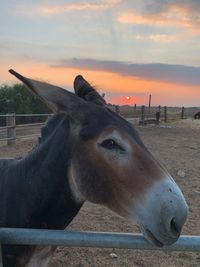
[(150, 44)]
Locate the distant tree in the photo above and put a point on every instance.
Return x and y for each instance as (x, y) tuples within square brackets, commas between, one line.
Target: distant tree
[(17, 99)]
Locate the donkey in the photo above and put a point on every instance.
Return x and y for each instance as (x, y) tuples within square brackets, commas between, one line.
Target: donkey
[(86, 152)]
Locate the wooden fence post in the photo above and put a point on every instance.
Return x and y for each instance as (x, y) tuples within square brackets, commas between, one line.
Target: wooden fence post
[(117, 109), (135, 107), (149, 103), (165, 113), (157, 117), (158, 112), (11, 130), (142, 114), (182, 113)]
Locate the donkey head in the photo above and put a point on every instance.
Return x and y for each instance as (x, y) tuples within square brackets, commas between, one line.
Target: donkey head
[(111, 166)]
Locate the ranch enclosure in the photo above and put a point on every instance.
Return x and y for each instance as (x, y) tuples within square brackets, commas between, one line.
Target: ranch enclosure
[(14, 126), (176, 145)]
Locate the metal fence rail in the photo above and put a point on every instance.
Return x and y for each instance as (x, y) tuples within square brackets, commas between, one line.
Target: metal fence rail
[(91, 239)]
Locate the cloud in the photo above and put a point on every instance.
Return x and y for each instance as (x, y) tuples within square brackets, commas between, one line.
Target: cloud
[(157, 38), (179, 74), (80, 6), (144, 19), (180, 14), (160, 6)]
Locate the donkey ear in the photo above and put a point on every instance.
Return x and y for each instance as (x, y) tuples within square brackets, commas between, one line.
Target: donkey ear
[(84, 90), (56, 98)]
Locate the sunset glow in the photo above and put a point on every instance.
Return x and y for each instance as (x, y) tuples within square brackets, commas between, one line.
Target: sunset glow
[(123, 50)]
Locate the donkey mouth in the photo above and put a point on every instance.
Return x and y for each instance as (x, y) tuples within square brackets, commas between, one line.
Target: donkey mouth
[(152, 238)]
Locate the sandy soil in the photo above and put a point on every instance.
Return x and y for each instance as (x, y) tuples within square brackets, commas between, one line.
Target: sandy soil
[(177, 146)]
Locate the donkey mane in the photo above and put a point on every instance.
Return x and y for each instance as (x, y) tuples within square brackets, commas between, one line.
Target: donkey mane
[(50, 126)]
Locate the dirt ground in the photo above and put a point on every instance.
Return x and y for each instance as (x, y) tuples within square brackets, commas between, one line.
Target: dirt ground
[(177, 146)]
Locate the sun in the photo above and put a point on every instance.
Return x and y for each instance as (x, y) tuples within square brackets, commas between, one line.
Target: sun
[(127, 97)]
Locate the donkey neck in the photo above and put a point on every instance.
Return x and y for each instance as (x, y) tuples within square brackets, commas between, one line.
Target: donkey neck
[(45, 198)]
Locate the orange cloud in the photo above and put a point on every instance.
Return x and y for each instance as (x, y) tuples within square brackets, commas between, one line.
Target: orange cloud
[(174, 15), (158, 38), (115, 86), (171, 73), (57, 9), (161, 20)]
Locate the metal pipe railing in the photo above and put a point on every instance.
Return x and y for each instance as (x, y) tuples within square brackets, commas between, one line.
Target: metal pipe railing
[(90, 239)]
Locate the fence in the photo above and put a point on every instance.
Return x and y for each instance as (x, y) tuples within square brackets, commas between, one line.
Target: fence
[(21, 236), (18, 236), (155, 115), (11, 127), (90, 239)]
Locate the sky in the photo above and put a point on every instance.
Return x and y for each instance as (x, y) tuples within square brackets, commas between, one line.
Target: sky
[(124, 48)]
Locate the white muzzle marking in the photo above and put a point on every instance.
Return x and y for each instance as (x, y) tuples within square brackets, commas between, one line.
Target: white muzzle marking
[(161, 212)]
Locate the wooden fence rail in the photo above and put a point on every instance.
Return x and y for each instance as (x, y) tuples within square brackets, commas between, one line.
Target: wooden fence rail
[(154, 115), (10, 130)]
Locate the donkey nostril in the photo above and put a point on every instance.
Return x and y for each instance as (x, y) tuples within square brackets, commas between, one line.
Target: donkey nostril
[(175, 228)]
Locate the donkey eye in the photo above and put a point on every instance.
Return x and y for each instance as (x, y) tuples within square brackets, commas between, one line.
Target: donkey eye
[(111, 145)]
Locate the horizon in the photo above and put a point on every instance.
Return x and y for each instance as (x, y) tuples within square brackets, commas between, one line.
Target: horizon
[(126, 49)]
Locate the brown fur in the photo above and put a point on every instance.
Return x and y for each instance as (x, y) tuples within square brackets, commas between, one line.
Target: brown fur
[(116, 186)]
